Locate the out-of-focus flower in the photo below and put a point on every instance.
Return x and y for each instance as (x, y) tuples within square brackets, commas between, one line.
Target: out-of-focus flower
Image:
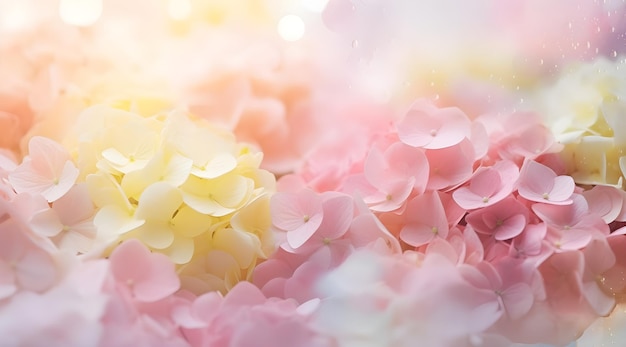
[(584, 109), (246, 317)]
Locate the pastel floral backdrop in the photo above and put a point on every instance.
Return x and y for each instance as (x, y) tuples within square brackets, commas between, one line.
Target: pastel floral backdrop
[(312, 173)]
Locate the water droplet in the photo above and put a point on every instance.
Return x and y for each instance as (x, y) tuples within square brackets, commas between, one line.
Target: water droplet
[(614, 54), (588, 44), (355, 43), (541, 62), (569, 25)]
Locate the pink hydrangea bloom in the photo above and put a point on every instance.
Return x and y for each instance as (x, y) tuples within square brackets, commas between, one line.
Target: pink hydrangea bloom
[(246, 317), (539, 183), (48, 170), (147, 276)]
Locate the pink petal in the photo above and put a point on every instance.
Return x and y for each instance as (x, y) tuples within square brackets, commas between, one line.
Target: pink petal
[(129, 261), (480, 139), (376, 168), (289, 210), (163, 280), (575, 239), (491, 274), (46, 223), (36, 270), (417, 235), (392, 196), (75, 206), (24, 179), (563, 189), (426, 219), (518, 300), (47, 171), (454, 212), (451, 166), (7, 280), (407, 162), (63, 183), (475, 277), (443, 248), (485, 182), (338, 215), (599, 257), (48, 156), (605, 201), (455, 128), (535, 181), (512, 227), (298, 236), (150, 276), (473, 246), (601, 303), (419, 127), (531, 243)]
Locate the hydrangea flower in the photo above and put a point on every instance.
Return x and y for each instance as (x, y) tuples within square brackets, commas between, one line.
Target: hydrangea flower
[(175, 184)]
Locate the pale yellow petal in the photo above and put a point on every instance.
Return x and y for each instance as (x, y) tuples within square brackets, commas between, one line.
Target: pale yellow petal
[(240, 245), (159, 202)]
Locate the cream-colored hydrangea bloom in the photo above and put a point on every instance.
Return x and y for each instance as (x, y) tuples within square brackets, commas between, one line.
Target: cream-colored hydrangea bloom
[(586, 108), (182, 186)]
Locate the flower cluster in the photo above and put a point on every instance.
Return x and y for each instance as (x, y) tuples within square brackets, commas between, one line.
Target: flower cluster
[(183, 187), (490, 202), (218, 173)]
